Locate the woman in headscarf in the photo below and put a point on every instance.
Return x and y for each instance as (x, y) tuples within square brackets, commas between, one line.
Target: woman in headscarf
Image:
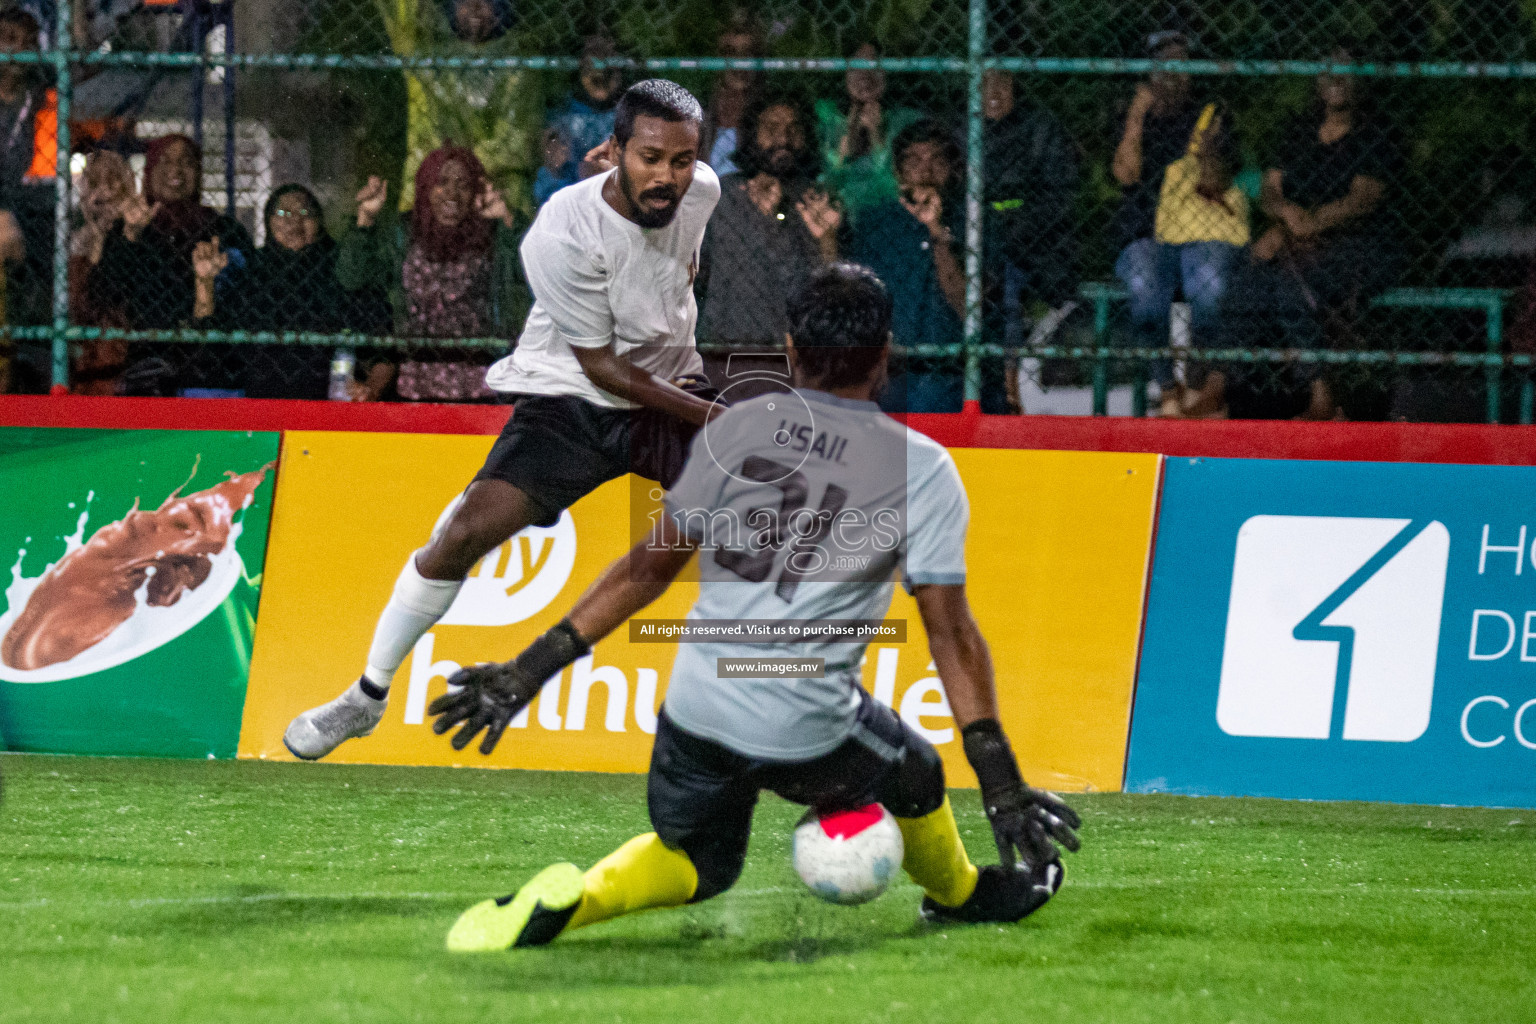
[(146, 260), (451, 269), (146, 267), (289, 284), (97, 366)]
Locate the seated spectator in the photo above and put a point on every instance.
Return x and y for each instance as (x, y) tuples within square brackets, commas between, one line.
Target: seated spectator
[(773, 227), (289, 284), (583, 120), (97, 366), (146, 268), (734, 93), (1330, 247), (28, 126), (13, 249), (1033, 173), (451, 269), (29, 118), (914, 243), (1157, 131), (856, 138), (146, 258)]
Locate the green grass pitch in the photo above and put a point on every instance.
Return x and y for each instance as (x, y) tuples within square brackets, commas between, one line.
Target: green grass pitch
[(164, 891)]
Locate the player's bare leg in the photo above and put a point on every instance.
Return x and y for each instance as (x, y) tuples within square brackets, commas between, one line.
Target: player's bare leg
[(490, 512)]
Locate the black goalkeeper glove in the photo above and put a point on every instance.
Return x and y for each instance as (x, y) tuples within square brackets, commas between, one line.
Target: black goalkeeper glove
[(1031, 821), (488, 696)]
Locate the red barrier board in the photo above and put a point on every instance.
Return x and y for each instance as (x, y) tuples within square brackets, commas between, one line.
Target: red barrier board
[(1261, 439)]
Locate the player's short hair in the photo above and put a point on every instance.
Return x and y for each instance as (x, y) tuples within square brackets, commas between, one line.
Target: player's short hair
[(840, 321), (654, 97)]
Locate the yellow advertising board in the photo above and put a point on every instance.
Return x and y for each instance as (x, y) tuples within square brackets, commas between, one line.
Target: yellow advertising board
[(1057, 557)]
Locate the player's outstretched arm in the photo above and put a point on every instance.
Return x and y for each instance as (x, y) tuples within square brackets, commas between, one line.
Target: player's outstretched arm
[(617, 376), (489, 696), (1024, 819)]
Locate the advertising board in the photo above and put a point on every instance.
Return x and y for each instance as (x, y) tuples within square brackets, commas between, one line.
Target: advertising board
[(135, 561), (1340, 630), (1057, 551)]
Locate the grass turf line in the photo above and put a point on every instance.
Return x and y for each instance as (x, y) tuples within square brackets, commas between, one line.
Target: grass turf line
[(170, 891)]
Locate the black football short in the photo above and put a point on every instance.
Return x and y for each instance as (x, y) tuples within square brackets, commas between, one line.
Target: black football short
[(558, 448), (701, 795)]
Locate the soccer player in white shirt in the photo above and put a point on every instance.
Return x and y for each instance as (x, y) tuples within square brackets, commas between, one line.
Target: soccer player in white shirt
[(802, 506), (606, 358)]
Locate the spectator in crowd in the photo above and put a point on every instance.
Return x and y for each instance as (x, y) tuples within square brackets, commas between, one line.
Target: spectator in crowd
[(479, 21), (28, 155), (1157, 131), (734, 93), (146, 267), (773, 227), (583, 120), (146, 258), (914, 243), (105, 187), (13, 249), (451, 269), (559, 168), (1330, 247), (856, 138), (492, 111), (1033, 173), (289, 284)]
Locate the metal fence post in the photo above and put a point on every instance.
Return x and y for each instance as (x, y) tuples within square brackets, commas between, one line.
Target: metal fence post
[(227, 16), (1101, 359), (974, 180), (62, 49), (1494, 373)]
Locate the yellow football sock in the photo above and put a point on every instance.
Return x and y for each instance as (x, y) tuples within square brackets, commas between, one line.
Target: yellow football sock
[(935, 857), (640, 875)]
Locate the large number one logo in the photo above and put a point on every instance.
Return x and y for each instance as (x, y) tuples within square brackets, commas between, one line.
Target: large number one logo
[(1333, 628)]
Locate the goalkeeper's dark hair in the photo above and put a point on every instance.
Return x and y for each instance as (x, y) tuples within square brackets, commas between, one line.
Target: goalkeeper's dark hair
[(654, 97), (840, 321)]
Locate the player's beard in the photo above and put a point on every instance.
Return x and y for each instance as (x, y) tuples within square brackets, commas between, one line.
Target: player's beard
[(645, 216)]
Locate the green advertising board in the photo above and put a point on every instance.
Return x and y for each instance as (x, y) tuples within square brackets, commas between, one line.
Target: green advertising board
[(132, 564)]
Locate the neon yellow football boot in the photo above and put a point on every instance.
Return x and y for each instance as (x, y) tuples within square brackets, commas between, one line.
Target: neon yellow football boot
[(532, 916)]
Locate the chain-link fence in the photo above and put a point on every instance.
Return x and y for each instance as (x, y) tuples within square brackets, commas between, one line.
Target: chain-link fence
[(1212, 208)]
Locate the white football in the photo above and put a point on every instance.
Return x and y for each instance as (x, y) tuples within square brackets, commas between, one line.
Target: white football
[(848, 857)]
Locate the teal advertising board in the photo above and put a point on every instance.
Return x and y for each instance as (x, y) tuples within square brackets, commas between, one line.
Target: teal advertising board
[(132, 564), (1341, 631)]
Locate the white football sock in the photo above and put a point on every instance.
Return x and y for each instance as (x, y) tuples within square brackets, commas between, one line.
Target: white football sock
[(413, 608)]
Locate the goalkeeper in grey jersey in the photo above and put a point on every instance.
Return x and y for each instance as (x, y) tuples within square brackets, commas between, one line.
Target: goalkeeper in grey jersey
[(803, 505)]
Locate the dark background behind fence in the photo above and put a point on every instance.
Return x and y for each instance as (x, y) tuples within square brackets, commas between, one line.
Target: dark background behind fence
[(1414, 309)]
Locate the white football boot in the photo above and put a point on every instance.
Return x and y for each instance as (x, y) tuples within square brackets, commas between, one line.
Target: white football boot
[(321, 730)]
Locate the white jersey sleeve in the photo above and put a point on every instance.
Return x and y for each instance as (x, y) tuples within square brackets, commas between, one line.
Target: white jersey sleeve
[(938, 513), (571, 286)]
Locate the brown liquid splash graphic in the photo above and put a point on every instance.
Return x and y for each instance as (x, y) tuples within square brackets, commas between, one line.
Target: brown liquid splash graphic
[(90, 592)]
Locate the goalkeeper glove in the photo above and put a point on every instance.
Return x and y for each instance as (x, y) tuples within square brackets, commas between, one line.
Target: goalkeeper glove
[(1031, 821), (488, 696)]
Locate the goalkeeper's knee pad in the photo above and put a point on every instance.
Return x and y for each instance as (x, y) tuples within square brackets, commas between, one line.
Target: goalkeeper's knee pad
[(915, 785), (719, 864)]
